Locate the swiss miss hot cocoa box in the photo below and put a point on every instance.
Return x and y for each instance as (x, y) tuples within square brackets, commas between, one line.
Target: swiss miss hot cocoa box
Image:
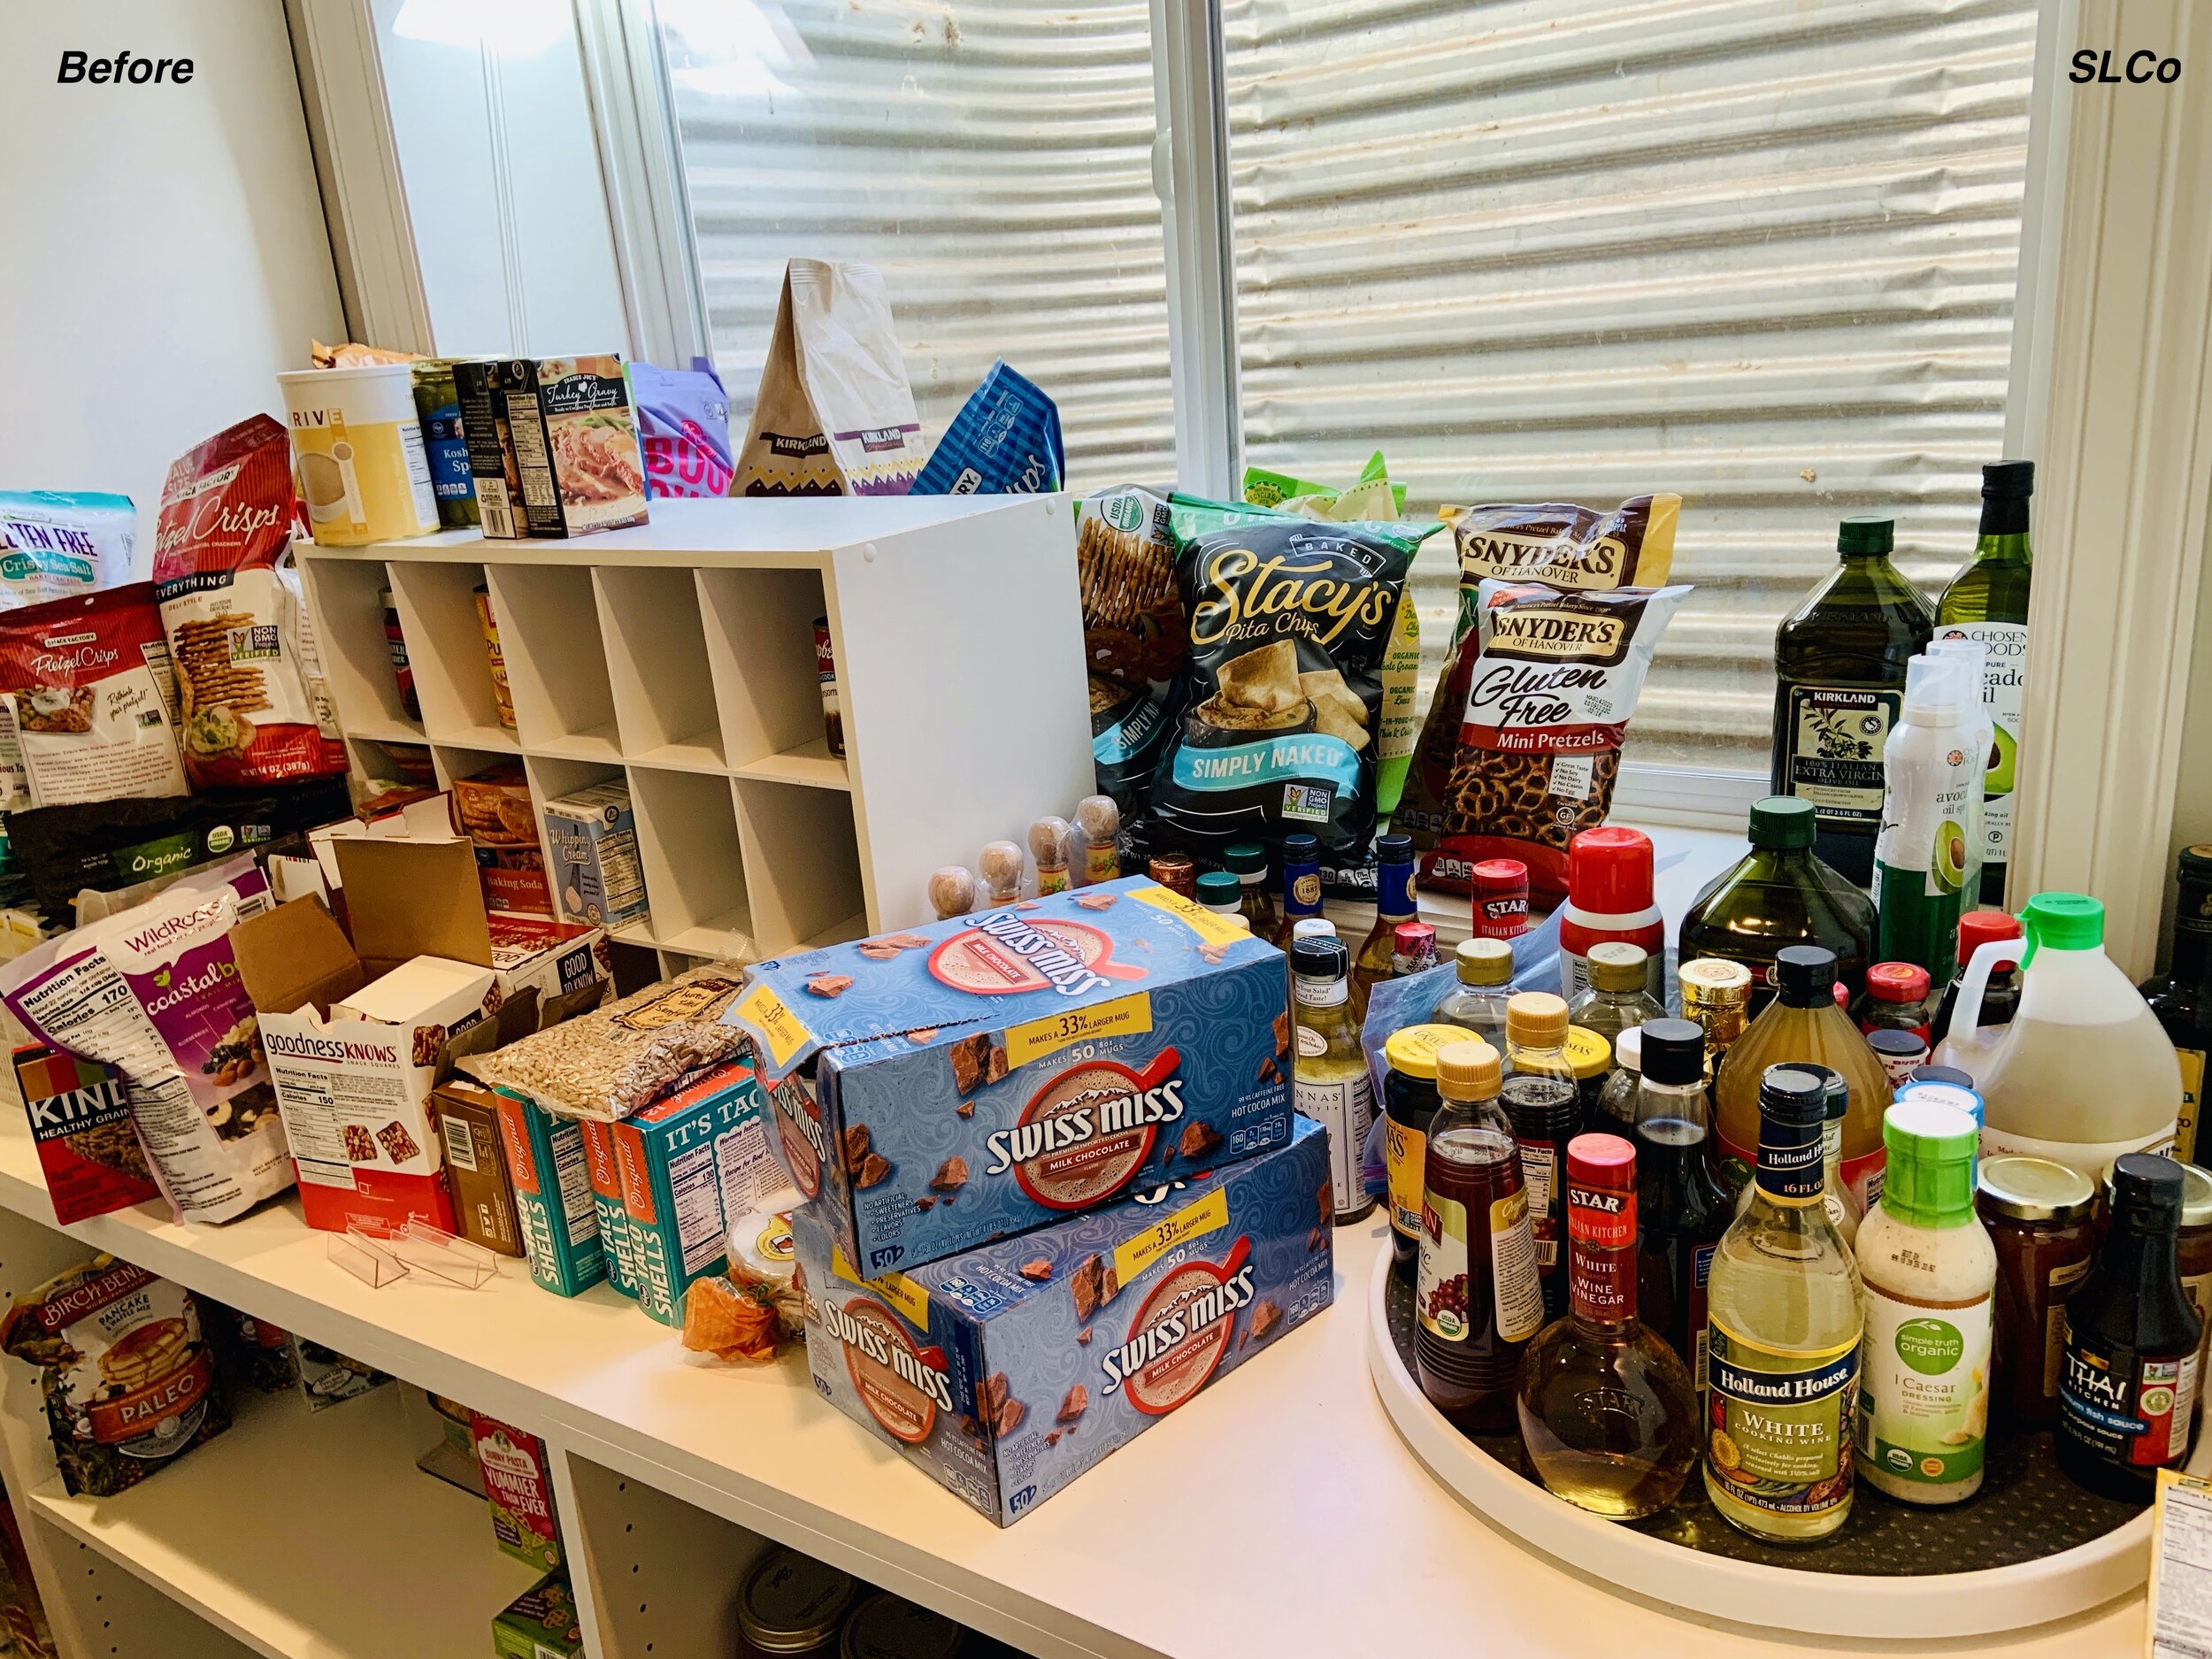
[(1008, 1370), (937, 1088)]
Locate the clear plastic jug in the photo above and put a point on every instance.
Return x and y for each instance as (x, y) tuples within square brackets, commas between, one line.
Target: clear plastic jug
[(2084, 1072)]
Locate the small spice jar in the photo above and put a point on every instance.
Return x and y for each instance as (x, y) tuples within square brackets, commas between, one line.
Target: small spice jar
[(1499, 892), (2041, 1216), (1176, 871), (1412, 950), (1003, 865), (1222, 894), (1050, 840), (791, 1603), (1896, 999), (886, 1626), (1902, 1052)]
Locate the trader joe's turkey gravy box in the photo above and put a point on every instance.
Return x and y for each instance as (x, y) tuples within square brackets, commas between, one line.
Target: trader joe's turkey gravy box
[(937, 1088), (1008, 1370)]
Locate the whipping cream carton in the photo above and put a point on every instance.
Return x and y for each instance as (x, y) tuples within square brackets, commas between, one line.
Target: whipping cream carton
[(938, 1088), (1006, 1371)]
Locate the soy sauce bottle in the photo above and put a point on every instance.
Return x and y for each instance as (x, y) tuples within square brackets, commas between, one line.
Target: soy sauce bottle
[(2127, 1386), (1477, 1301)]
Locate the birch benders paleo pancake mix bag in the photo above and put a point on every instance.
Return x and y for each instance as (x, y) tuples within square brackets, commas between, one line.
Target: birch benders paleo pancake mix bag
[(1559, 609), (1281, 696)]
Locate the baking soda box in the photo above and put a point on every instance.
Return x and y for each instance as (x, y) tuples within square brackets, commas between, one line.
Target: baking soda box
[(938, 1088), (1007, 1371)]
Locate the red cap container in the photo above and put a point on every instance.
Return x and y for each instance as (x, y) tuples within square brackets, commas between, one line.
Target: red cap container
[(1609, 870), (1976, 928), (1499, 888), (1602, 1227), (1897, 982), (1414, 938)]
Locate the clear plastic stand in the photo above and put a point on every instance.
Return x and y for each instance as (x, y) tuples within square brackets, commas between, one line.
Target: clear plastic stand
[(379, 1256)]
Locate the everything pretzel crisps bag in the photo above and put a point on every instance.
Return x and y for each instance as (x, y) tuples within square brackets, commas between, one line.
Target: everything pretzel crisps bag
[(255, 709), (1559, 609), (1281, 696)]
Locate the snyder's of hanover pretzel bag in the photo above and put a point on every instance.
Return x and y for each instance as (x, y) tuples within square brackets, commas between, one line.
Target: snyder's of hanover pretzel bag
[(1560, 609)]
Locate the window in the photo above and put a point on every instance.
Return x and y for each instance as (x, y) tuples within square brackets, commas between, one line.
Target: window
[(1762, 256), (994, 161)]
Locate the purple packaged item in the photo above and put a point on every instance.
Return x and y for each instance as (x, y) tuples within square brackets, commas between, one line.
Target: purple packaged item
[(683, 421), (154, 991)]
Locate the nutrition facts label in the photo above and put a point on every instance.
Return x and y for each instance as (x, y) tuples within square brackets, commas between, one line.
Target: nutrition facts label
[(2181, 1568)]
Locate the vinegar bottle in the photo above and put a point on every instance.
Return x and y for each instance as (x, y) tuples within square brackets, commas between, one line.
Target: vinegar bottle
[(1802, 1025), (1477, 1301)]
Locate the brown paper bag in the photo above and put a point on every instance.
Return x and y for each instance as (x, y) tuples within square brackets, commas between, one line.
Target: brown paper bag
[(835, 415)]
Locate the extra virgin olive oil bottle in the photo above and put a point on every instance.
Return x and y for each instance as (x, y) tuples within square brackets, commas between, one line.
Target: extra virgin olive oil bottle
[(1988, 601), (1840, 666)]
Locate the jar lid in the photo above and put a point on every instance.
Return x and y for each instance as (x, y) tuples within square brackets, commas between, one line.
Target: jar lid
[(1712, 980), (1244, 857), (1675, 1051), (2035, 1189), (793, 1603), (1218, 889), (1618, 965), (886, 1626), (1414, 938), (1411, 1049), (2196, 1190), (1484, 962), (1928, 1177), (1468, 1070), (1587, 1051), (1897, 982)]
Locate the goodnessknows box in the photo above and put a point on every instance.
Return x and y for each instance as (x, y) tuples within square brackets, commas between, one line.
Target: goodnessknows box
[(1008, 1370), (938, 1088)]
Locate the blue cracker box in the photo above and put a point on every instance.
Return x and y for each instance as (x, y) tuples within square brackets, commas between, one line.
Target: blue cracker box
[(689, 1165), (938, 1088), (1008, 1370)]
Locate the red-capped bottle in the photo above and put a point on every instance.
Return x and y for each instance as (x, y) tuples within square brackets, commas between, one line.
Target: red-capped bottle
[(1608, 1417), (1609, 897), (1896, 999), (1499, 886), (2001, 999)]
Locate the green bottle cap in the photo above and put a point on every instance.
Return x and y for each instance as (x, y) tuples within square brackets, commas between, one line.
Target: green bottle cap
[(2062, 921), (1244, 857), (1782, 821), (1866, 535), (1218, 890), (1929, 1179)]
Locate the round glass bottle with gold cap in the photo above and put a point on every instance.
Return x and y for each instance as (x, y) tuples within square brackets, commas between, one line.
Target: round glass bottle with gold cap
[(1543, 1101)]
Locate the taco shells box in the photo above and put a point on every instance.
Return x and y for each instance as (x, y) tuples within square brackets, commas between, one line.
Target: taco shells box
[(1007, 1372), (937, 1088)]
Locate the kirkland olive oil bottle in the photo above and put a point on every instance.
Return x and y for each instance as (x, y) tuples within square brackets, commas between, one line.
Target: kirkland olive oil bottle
[(1988, 601), (1839, 668)]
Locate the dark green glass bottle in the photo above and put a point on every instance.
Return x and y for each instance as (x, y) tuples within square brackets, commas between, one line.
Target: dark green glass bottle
[(1840, 667), (1988, 601), (1780, 893)]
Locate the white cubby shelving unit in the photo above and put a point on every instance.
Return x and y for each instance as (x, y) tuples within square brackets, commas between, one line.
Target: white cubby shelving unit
[(680, 656)]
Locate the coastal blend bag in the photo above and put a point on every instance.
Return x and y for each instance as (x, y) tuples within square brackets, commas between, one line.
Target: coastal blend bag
[(1289, 623), (1560, 608), (835, 415)]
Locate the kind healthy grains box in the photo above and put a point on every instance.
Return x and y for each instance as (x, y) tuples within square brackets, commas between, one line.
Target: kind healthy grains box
[(938, 1088), (1006, 1371)]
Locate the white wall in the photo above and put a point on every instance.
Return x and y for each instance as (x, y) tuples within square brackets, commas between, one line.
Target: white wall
[(162, 249)]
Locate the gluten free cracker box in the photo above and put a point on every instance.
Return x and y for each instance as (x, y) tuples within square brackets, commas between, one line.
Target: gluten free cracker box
[(690, 1165), (1006, 1371), (937, 1088)]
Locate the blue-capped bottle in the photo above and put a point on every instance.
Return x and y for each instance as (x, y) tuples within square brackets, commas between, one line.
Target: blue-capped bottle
[(1394, 905), (1301, 884)]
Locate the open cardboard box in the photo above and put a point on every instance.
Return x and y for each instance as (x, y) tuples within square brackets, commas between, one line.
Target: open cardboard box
[(354, 1030)]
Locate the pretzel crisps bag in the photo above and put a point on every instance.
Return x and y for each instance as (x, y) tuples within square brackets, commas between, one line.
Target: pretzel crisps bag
[(1133, 634), (87, 702), (1281, 693), (254, 709)]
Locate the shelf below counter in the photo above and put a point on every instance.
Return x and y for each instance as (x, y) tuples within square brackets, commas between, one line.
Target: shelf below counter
[(1277, 1515), (310, 1535)]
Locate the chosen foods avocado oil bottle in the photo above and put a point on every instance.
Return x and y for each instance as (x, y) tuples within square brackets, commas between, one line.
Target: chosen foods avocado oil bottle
[(1839, 669), (1988, 601)]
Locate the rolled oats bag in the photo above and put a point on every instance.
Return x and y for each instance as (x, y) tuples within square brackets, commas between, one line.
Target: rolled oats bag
[(154, 991), (128, 1380), (1281, 696)]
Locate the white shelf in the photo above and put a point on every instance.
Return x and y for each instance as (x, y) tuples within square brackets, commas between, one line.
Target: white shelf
[(310, 1535), (810, 764), (1278, 1514)]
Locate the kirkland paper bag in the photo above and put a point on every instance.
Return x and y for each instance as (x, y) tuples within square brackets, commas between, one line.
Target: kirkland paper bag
[(835, 415)]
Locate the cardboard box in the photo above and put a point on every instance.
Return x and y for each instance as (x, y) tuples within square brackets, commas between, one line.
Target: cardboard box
[(690, 1165), (591, 856), (605, 1176), (539, 1623), (985, 1075), (553, 1203), (513, 880), (80, 1122), (1006, 1371), (476, 1165), (353, 1060), (555, 958), (519, 1485), (575, 444)]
